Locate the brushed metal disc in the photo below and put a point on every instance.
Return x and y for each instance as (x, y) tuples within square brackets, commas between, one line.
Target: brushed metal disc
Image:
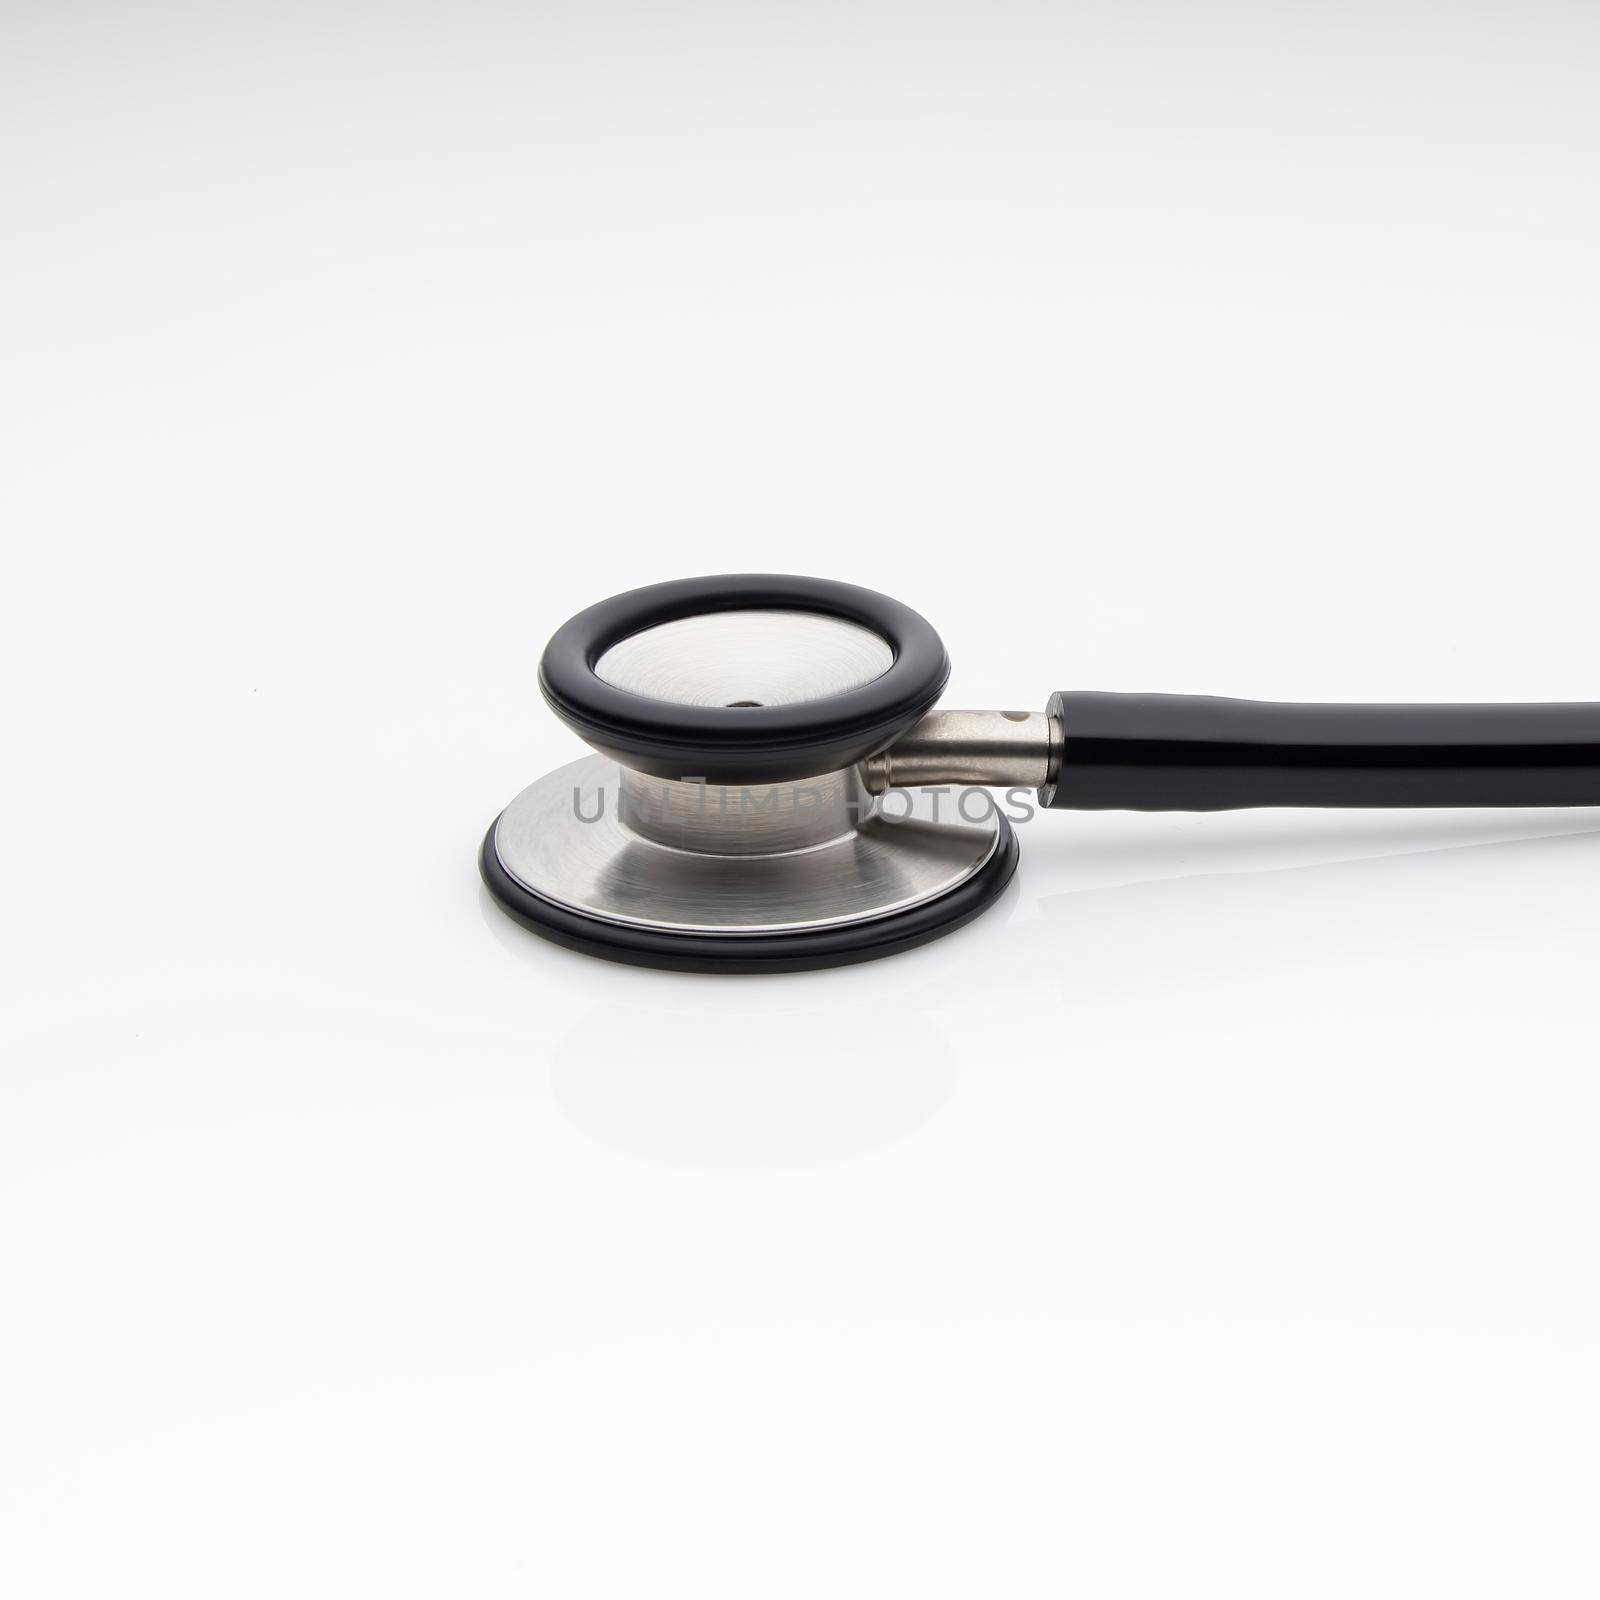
[(564, 838), (752, 658)]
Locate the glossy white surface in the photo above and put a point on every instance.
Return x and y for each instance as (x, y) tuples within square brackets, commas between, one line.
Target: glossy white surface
[(1219, 1215)]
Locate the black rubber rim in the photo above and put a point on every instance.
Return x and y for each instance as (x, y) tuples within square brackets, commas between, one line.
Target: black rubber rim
[(758, 744), (753, 952)]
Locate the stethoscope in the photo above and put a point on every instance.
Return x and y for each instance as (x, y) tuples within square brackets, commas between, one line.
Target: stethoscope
[(774, 790)]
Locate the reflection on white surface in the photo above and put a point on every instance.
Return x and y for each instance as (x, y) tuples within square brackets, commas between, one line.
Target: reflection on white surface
[(765, 1089), (1201, 902), (742, 1073)]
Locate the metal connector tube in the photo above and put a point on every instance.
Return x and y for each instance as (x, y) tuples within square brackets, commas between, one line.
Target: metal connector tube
[(996, 749)]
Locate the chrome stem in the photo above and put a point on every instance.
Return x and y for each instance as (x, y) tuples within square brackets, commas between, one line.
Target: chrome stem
[(998, 749)]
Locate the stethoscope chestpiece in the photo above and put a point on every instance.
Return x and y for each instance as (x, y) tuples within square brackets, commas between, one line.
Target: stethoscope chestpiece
[(727, 823)]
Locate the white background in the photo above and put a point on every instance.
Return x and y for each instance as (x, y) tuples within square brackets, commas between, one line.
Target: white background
[(1219, 1214)]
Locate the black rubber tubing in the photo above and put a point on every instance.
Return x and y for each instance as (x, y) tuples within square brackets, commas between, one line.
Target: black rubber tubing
[(1172, 752)]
